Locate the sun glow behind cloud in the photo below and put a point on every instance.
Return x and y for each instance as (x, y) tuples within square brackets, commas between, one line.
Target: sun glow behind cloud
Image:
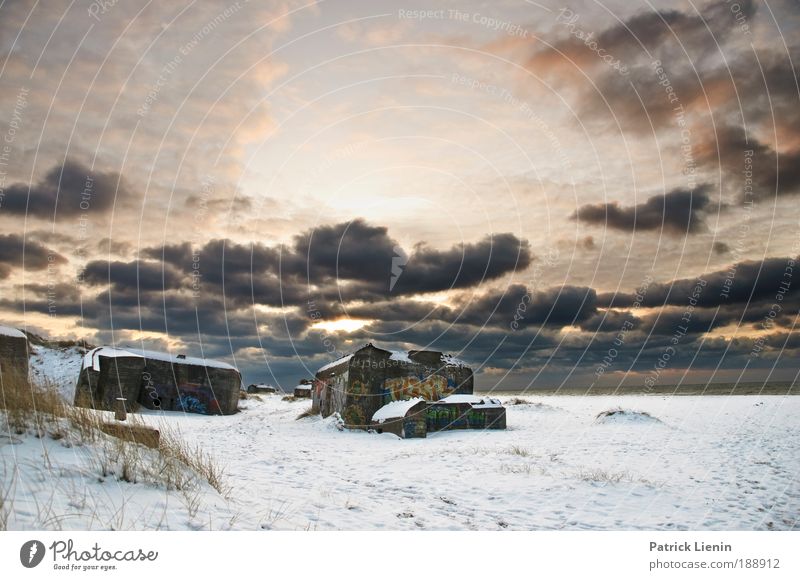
[(341, 325)]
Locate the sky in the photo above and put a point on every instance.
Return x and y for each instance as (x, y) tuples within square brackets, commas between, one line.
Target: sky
[(591, 193)]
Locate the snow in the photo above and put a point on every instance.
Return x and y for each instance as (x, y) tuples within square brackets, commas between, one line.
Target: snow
[(400, 356), (474, 400), (452, 361), (397, 355), (59, 484), (13, 332), (620, 415), (395, 409), (57, 367), (446, 359), (335, 363), (92, 358), (303, 387), (114, 352), (712, 463), (188, 360)]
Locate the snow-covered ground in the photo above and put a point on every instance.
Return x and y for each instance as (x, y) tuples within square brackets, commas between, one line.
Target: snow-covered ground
[(57, 367), (671, 463), (717, 463)]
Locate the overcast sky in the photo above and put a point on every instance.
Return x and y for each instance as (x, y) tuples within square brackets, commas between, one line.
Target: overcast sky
[(559, 194)]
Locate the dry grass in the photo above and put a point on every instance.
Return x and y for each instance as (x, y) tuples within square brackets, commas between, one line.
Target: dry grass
[(28, 406), (307, 413), (174, 447), (627, 413), (517, 450), (517, 401), (31, 409)]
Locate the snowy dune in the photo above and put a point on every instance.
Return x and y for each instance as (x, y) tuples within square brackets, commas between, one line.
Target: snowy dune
[(710, 463), (57, 367)]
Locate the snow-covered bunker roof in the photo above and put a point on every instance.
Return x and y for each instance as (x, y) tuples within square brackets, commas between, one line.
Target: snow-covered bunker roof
[(395, 409), (91, 358), (11, 332), (399, 356)]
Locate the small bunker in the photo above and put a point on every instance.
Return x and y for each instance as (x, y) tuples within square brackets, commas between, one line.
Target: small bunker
[(108, 374), (157, 380), (303, 389), (465, 412), (405, 419), (362, 387), (262, 388), (357, 385), (13, 353)]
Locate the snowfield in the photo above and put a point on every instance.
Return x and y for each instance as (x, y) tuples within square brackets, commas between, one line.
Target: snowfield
[(57, 368), (665, 463)]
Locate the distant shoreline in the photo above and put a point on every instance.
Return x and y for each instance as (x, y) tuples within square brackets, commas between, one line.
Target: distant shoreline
[(718, 389)]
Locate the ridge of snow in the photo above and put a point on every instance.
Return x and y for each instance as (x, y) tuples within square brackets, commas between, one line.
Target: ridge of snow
[(395, 409), (400, 356), (91, 358), (450, 360), (335, 363), (188, 360), (474, 400), (12, 332), (57, 367)]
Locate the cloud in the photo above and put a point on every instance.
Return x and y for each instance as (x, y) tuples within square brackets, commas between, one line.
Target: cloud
[(720, 248), (745, 158), (679, 211), (628, 40), (744, 282), (346, 261), (18, 253), (463, 266), (71, 189), (139, 276)]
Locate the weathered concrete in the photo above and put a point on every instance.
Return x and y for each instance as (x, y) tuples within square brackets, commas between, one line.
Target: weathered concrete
[(146, 436), (358, 385), (13, 353)]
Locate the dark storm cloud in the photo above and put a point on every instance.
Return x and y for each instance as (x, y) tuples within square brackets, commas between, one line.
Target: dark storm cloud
[(357, 251), (138, 275), (348, 251), (720, 248), (109, 246), (346, 261), (552, 307), (752, 164), (16, 253), (58, 291), (70, 189), (557, 306), (685, 41), (647, 30), (678, 212), (463, 266), (745, 281)]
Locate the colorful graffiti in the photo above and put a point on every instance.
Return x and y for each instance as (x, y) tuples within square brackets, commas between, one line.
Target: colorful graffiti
[(443, 417), (430, 388), (186, 397), (192, 404), (354, 416)]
